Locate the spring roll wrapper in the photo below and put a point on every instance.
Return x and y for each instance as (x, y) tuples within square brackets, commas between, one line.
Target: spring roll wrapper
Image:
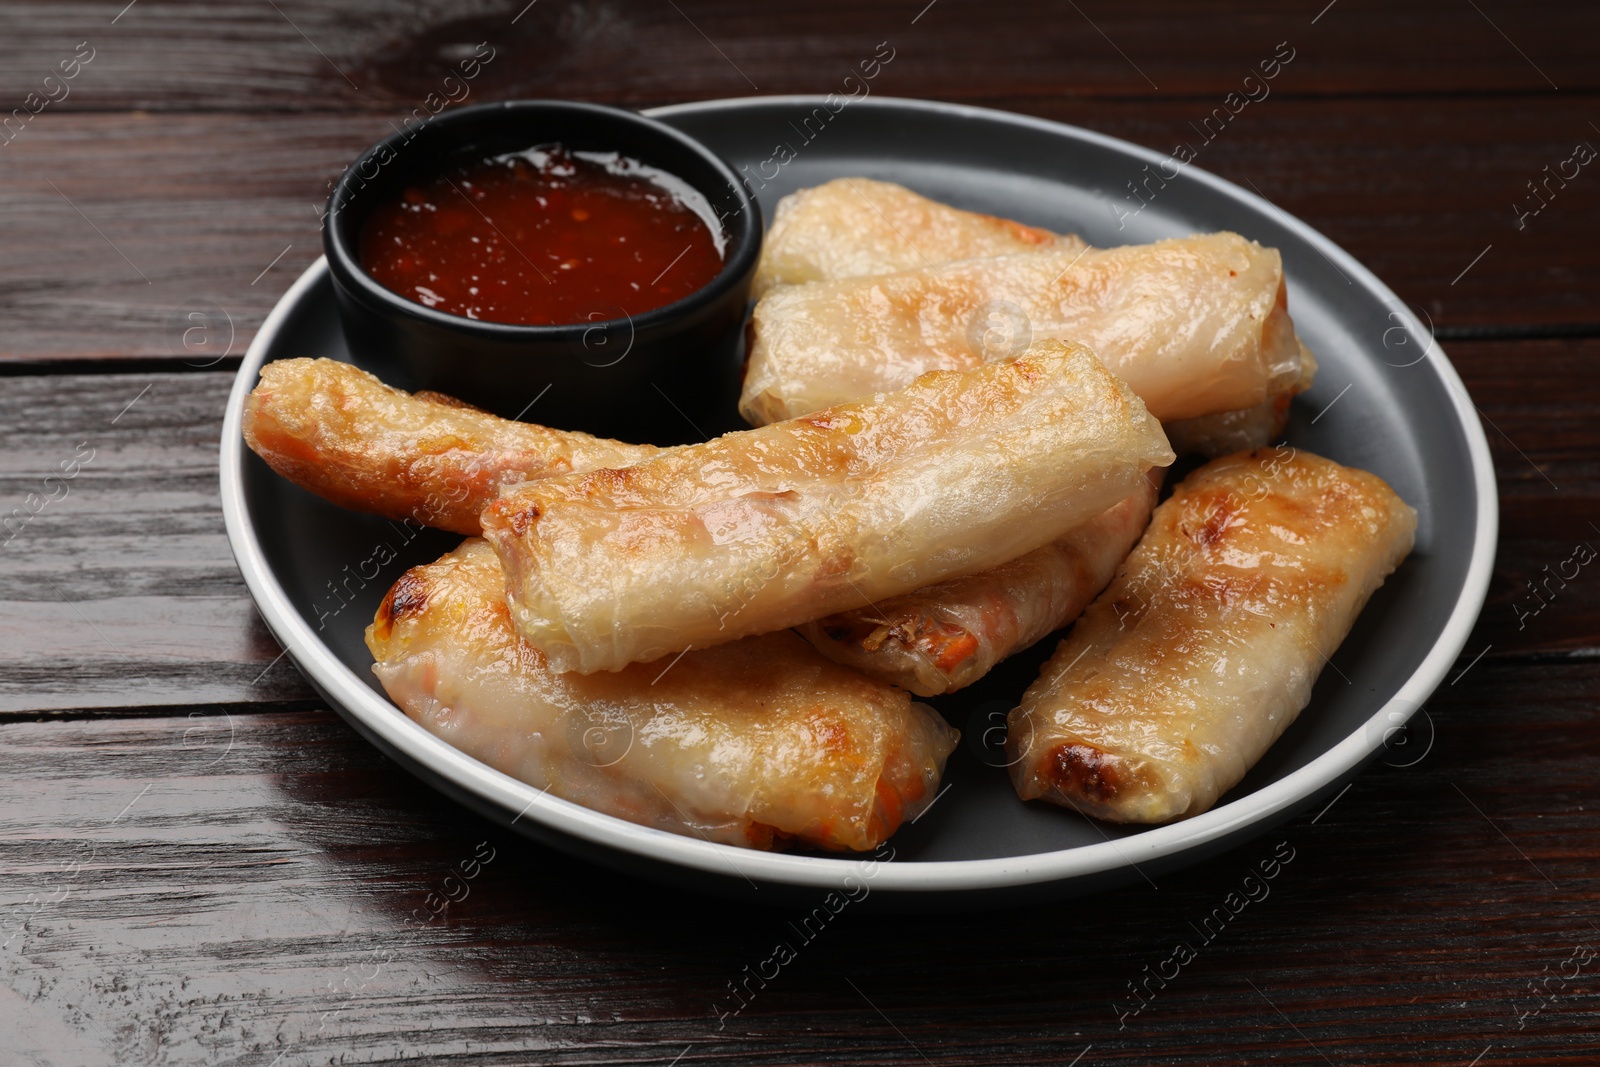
[(341, 433), (851, 227), (1195, 325), (948, 635), (1205, 647), (854, 227), (1245, 430), (758, 743), (765, 529)]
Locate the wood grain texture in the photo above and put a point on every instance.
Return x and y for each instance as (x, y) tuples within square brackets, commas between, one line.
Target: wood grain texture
[(255, 890), (120, 228), (373, 55), (117, 586)]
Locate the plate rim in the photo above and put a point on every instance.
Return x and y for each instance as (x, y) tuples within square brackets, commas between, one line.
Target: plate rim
[(352, 697)]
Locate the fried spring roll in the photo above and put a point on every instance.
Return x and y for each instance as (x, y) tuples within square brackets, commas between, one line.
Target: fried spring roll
[(1228, 432), (336, 430), (948, 635), (851, 227), (755, 743), (1195, 326), (448, 484), (764, 529), (1205, 647)]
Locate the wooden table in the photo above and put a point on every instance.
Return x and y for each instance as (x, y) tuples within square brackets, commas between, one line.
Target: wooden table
[(199, 863)]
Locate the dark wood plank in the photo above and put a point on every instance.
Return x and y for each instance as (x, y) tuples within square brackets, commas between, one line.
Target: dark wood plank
[(119, 228), (1418, 191), (123, 591), (372, 55), (117, 587), (254, 890), (1544, 596), (122, 227)]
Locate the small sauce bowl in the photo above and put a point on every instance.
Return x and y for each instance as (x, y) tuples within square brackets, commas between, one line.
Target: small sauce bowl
[(667, 375)]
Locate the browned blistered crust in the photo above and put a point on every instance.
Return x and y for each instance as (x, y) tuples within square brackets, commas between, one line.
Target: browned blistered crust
[(1085, 771), (948, 635), (774, 527), (759, 743), (1205, 646), (341, 433)]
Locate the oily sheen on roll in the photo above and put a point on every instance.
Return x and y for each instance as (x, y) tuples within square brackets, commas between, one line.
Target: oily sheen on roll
[(1204, 649), (757, 743), (768, 528), (1195, 325)]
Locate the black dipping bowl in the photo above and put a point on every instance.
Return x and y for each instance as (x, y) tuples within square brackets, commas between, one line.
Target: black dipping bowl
[(665, 376)]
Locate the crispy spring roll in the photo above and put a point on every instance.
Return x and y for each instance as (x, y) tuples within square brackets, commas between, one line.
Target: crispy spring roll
[(1205, 647), (763, 529), (756, 743), (341, 433), (348, 455), (851, 227), (1195, 326), (948, 635)]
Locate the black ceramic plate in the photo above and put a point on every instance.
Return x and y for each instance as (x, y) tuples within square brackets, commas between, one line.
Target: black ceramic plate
[(1386, 400)]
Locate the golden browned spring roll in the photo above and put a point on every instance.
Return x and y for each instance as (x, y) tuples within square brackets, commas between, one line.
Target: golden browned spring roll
[(1205, 647), (948, 635), (763, 529), (448, 484), (851, 227), (1195, 326), (756, 743), (338, 431)]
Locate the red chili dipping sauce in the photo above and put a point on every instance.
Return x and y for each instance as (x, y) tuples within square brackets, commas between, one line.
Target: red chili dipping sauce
[(545, 237)]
